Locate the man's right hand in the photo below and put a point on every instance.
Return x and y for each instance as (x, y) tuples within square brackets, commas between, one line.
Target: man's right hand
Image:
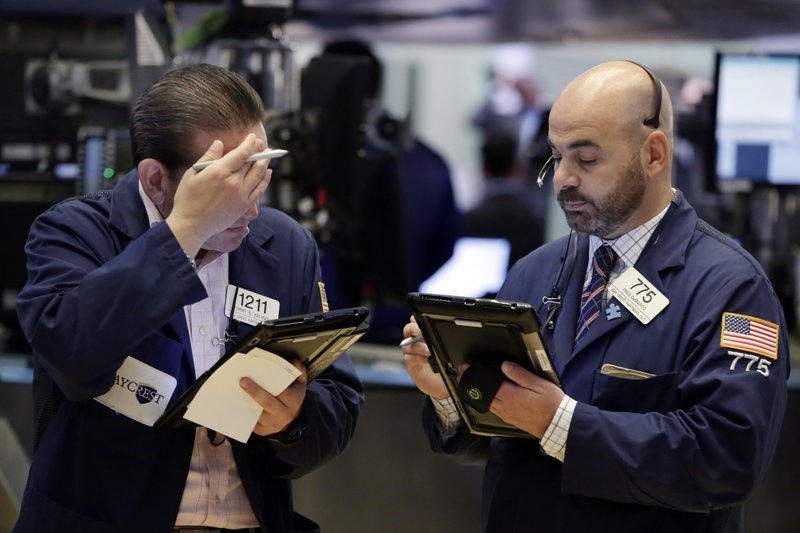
[(415, 359), (212, 200)]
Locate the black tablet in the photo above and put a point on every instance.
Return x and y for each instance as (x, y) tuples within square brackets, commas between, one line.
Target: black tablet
[(317, 339), (480, 333)]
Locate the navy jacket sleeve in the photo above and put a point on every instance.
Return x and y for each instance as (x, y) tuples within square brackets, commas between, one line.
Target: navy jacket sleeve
[(85, 286)]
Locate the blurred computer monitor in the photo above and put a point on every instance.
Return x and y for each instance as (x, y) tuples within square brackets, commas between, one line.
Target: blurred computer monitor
[(756, 120), (477, 268)]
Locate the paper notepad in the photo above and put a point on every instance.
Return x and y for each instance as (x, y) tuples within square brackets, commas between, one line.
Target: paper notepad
[(222, 405)]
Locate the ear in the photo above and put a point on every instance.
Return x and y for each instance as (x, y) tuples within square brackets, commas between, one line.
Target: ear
[(657, 155), (154, 177)]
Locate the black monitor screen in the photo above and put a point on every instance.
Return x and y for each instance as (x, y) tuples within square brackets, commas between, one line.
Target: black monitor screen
[(757, 120)]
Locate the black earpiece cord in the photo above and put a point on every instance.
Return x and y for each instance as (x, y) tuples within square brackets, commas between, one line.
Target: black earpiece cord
[(553, 301)]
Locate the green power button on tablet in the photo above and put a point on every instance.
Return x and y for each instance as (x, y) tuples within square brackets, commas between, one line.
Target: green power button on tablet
[(474, 393)]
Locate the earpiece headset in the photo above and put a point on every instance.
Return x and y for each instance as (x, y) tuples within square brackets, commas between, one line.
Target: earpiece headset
[(653, 120)]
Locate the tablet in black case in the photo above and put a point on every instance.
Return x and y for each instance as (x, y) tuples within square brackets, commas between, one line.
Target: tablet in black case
[(317, 339), (481, 332)]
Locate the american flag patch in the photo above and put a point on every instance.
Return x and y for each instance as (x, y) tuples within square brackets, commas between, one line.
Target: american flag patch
[(323, 297), (750, 334)]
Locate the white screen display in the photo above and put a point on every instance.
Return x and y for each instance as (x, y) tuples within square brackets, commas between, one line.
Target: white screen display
[(757, 125), (477, 267)]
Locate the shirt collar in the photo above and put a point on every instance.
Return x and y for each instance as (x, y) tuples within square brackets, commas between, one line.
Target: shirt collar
[(153, 216), (628, 246)]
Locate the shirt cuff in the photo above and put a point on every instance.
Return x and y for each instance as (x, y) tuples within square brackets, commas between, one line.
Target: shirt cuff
[(448, 417), (554, 441)]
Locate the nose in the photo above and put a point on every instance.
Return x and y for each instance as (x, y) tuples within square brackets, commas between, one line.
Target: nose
[(563, 176)]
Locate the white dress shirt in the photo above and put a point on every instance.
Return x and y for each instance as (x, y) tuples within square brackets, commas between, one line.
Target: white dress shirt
[(214, 495)]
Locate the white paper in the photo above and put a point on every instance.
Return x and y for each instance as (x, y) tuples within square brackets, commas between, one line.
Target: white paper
[(222, 405)]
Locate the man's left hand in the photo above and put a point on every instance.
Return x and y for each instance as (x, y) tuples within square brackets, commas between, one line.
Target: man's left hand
[(527, 401), (281, 410)]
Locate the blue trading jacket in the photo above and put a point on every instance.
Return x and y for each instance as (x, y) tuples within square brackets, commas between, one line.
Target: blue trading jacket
[(679, 451), (102, 286)]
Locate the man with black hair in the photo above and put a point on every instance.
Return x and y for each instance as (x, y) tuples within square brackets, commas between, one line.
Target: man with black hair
[(129, 286)]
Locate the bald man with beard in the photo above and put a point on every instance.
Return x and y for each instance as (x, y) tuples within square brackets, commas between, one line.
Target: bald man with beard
[(669, 341)]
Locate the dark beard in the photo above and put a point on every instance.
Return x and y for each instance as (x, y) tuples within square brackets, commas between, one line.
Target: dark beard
[(607, 215)]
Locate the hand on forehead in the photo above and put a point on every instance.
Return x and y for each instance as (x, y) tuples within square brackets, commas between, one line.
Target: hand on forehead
[(230, 139)]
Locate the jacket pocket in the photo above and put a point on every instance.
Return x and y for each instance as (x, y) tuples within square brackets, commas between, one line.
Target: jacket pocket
[(613, 393)]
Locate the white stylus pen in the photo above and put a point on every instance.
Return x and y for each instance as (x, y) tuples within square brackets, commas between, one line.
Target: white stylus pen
[(269, 154), (408, 341)]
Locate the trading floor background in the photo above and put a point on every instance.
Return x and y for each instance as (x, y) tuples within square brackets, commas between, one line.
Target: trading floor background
[(70, 73)]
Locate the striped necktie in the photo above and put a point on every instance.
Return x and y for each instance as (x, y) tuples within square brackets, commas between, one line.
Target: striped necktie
[(592, 297)]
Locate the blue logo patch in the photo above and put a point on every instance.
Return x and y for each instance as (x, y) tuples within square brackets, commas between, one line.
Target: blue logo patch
[(146, 393)]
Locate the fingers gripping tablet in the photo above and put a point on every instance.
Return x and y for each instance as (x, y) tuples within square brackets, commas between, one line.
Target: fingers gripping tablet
[(479, 384)]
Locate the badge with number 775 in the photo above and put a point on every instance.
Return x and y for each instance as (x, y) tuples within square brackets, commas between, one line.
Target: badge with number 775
[(638, 295)]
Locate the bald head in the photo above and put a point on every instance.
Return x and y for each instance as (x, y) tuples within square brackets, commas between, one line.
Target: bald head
[(619, 94)]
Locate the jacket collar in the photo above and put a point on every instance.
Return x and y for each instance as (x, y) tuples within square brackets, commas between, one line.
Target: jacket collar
[(127, 210)]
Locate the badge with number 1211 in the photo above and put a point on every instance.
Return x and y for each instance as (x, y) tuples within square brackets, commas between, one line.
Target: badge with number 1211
[(250, 307)]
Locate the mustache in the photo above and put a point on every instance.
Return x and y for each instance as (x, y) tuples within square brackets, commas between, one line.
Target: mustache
[(570, 195)]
